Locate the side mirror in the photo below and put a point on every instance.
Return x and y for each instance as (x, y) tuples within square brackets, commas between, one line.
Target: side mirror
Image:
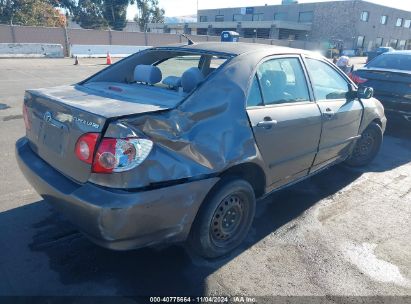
[(365, 92)]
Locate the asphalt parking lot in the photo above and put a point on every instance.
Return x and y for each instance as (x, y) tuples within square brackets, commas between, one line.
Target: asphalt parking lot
[(344, 232)]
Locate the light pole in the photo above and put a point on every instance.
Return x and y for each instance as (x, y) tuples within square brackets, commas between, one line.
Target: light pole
[(198, 18)]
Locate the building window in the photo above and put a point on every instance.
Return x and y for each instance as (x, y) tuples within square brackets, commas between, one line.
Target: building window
[(203, 18), (393, 43), (237, 17), (378, 42), (360, 41), (364, 16), (401, 44), (219, 18), (399, 22), (257, 17), (384, 19), (305, 17), (280, 16), (407, 23)]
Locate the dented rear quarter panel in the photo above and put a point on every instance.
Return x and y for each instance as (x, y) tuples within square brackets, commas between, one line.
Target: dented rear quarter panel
[(205, 135)]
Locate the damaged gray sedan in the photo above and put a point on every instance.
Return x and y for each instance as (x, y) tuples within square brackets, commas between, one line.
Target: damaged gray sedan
[(178, 143)]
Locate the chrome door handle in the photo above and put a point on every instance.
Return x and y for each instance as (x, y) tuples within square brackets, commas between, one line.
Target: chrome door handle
[(267, 123)]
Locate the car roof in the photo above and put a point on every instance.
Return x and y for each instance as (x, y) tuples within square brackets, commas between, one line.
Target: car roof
[(238, 48), (407, 52)]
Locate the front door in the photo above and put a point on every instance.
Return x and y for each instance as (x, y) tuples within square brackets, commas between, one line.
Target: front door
[(341, 116), (286, 123)]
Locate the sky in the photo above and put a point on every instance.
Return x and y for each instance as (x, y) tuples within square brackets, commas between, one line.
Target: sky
[(176, 8)]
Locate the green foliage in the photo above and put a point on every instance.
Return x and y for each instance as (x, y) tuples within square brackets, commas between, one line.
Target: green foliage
[(148, 12), (90, 14), (115, 12), (30, 12)]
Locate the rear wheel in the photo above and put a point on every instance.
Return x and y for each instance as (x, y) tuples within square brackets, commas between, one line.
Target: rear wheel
[(224, 219), (367, 147)]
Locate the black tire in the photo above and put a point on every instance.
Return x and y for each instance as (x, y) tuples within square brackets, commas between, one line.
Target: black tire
[(367, 147), (224, 218)]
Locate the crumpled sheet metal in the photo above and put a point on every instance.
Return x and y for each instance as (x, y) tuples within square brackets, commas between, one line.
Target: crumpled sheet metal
[(206, 134)]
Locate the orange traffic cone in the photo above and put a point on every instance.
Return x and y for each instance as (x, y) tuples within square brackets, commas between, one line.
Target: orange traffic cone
[(76, 61), (108, 59)]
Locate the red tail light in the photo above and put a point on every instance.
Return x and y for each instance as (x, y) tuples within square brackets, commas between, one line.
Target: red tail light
[(85, 147), (113, 154), (121, 154), (357, 79), (105, 159), (26, 118)]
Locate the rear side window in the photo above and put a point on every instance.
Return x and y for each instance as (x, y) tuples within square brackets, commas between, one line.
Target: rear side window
[(254, 96), (396, 62), (282, 80), (327, 82)]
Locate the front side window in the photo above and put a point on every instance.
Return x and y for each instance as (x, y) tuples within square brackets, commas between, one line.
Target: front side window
[(364, 16), (305, 17), (384, 19), (327, 83), (219, 18), (399, 22), (282, 80), (203, 18)]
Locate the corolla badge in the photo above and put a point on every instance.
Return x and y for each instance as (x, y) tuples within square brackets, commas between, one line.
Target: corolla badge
[(86, 122)]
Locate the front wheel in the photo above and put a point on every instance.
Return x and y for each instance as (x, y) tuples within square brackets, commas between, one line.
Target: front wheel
[(367, 147), (224, 219)]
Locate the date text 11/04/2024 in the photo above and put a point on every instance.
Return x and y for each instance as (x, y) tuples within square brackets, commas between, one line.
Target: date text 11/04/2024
[(218, 299)]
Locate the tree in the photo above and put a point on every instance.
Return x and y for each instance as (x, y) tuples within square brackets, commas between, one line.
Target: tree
[(148, 12), (30, 12), (90, 14), (101, 14), (115, 12)]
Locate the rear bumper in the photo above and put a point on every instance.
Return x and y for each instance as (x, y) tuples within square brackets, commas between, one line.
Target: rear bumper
[(117, 219), (397, 111), (401, 117)]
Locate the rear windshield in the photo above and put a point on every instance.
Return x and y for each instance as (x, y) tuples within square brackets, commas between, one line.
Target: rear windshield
[(157, 76), (395, 62), (176, 66)]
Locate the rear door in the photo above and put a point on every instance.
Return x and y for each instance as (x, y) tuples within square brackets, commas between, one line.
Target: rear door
[(285, 121), (341, 117)]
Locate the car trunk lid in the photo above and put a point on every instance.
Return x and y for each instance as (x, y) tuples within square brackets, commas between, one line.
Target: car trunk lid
[(388, 84), (59, 116)]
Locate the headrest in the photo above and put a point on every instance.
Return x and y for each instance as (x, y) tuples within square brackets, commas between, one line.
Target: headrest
[(172, 81), (147, 73), (191, 78)]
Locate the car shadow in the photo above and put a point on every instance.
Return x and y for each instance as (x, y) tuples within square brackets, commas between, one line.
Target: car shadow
[(164, 271), (45, 255), (398, 130)]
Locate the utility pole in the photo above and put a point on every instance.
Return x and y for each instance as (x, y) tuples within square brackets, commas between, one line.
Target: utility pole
[(198, 18)]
